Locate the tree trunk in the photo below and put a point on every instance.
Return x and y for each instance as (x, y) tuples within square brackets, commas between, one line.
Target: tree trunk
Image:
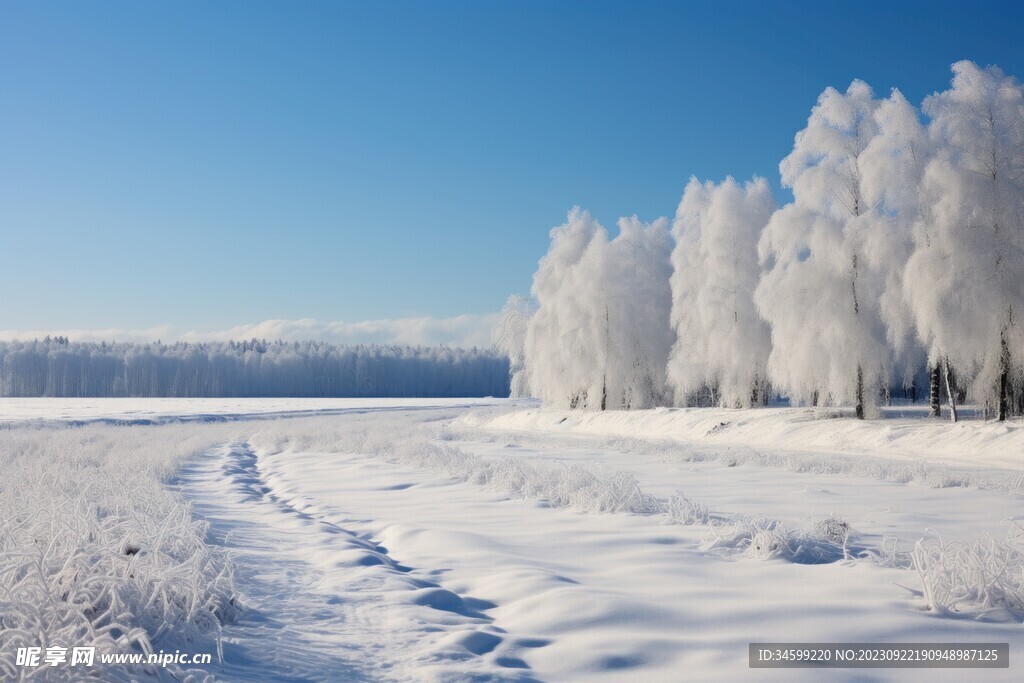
[(1004, 375), (950, 391), (607, 349), (934, 391), (860, 394)]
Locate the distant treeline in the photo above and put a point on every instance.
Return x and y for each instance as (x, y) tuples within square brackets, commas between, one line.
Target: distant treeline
[(56, 366)]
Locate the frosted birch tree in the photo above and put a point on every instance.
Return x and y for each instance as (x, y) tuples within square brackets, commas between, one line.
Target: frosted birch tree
[(560, 343), (509, 337), (600, 337), (965, 277), (722, 342), (633, 286), (891, 167), (686, 374), (817, 292)]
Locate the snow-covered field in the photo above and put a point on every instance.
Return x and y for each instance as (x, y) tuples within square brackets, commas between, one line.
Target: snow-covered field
[(492, 540)]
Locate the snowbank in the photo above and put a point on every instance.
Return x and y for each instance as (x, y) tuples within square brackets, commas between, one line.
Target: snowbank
[(902, 433)]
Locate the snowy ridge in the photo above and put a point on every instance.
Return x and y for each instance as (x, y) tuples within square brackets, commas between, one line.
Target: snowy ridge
[(617, 594), (968, 442)]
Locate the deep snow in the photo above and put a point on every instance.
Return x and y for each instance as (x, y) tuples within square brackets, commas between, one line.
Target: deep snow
[(439, 540)]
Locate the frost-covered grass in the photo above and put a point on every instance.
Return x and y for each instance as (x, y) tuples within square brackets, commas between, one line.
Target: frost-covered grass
[(96, 549), (682, 510), (761, 538), (582, 487), (983, 578), (979, 577)]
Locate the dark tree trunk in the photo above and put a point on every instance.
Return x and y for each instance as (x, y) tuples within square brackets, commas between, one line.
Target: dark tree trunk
[(1004, 376), (935, 391), (950, 390), (860, 394), (607, 350)]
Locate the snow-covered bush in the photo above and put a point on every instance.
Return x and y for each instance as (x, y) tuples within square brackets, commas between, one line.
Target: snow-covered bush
[(761, 538), (682, 510)]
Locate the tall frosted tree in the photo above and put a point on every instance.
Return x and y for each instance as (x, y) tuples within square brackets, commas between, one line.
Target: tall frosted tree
[(509, 337), (818, 293), (633, 285), (560, 336), (891, 167), (722, 343), (600, 337), (686, 373), (966, 274)]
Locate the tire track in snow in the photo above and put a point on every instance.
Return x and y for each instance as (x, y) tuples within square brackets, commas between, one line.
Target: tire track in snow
[(325, 604)]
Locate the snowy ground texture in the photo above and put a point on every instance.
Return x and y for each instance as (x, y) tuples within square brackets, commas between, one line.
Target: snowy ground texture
[(379, 540)]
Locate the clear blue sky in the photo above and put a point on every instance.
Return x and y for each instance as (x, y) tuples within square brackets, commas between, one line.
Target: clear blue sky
[(207, 164)]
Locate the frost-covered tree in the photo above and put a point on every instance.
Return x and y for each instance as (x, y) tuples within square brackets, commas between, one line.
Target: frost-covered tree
[(966, 275), (722, 343), (891, 167), (687, 377), (634, 286), (509, 337), (818, 293), (600, 337), (560, 342), (58, 367)]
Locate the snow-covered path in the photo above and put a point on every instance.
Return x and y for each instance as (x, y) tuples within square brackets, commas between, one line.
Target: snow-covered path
[(324, 603), (360, 563)]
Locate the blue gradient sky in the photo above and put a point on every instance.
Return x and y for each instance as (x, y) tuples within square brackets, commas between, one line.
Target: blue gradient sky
[(201, 165)]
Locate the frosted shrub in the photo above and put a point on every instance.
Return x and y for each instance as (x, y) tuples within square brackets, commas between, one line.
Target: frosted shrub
[(766, 539), (833, 529), (983, 578), (682, 510)]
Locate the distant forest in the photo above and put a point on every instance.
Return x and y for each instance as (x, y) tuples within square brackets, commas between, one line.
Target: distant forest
[(58, 367)]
